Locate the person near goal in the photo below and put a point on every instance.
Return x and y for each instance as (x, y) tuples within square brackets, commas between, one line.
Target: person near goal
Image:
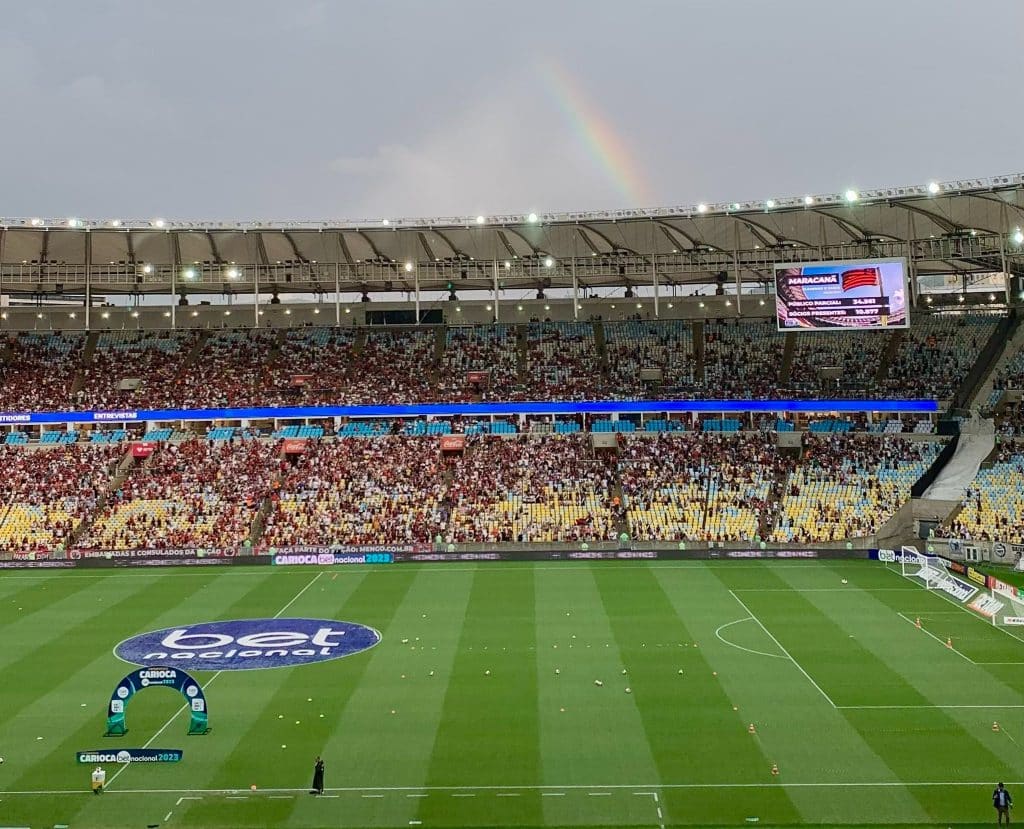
[(1002, 801)]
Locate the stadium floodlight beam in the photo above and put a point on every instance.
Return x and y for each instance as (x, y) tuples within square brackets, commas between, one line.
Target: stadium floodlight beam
[(851, 195), (147, 269), (36, 222), (115, 222), (702, 208), (808, 200), (1018, 236), (190, 273), (769, 203), (508, 265), (232, 273), (408, 267), (933, 187), (549, 262), (159, 223), (72, 222), (480, 220), (532, 218), (385, 222)]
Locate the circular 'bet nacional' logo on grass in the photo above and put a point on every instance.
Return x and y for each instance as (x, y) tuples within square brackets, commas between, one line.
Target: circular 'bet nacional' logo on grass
[(248, 644)]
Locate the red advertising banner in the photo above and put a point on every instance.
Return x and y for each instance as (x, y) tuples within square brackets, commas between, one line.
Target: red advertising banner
[(482, 378), (301, 379), (293, 446), (143, 449), (453, 443)]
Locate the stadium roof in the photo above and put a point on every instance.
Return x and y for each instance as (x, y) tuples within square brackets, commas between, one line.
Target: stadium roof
[(965, 226)]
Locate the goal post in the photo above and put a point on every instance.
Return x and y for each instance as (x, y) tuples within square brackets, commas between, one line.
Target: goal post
[(934, 573)]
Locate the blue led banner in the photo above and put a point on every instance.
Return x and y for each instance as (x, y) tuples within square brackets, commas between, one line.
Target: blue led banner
[(596, 407)]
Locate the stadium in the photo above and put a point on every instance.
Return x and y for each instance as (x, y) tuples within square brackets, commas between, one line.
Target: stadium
[(653, 544), (510, 514)]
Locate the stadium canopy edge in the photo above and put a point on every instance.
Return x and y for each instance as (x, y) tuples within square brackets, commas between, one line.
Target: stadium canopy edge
[(478, 409)]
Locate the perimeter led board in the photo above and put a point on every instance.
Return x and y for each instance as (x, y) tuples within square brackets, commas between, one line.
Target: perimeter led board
[(851, 295)]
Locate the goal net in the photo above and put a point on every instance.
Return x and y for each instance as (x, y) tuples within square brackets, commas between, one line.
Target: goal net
[(1006, 605), (933, 572)]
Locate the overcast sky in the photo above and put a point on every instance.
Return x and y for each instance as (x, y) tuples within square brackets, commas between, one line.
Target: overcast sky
[(237, 110)]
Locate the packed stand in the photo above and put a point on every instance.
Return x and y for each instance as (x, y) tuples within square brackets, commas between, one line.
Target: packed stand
[(855, 357), (153, 358), (562, 362), (848, 486), (531, 489), (39, 371), (492, 348), (993, 505), (936, 355), (742, 359), (49, 492), (636, 345), (314, 363), (394, 366), (371, 490), (196, 493), (699, 487), (229, 371)]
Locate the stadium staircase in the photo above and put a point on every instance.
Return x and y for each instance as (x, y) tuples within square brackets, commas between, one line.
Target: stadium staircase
[(359, 343), (892, 348), (522, 354), (786, 369), (193, 356), (124, 466), (259, 521), (440, 344), (78, 383), (974, 389), (601, 347), (698, 351), (1014, 343)]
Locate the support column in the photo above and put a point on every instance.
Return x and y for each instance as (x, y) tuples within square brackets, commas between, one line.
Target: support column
[(175, 264), (497, 313), (736, 268), (256, 296), (654, 279), (1002, 253), (416, 285), (575, 291), (337, 293), (88, 281)]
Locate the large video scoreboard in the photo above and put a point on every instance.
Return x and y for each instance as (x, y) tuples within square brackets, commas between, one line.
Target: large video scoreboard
[(857, 294)]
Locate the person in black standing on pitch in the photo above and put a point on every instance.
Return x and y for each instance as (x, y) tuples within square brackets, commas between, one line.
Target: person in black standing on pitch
[(1002, 801), (318, 777)]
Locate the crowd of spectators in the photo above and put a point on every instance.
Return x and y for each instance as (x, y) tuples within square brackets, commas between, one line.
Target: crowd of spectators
[(848, 486), (196, 493), (48, 492), (531, 489), (133, 368), (562, 362), (493, 349), (993, 505), (38, 371), (742, 359), (359, 491), (835, 364), (633, 346)]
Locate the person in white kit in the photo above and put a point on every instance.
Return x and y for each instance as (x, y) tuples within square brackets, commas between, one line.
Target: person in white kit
[(99, 778)]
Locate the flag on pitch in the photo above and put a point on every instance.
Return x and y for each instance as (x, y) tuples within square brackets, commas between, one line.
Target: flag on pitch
[(860, 278)]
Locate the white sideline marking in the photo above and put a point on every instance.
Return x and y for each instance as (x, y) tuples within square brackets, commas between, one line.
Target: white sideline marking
[(241, 797), (209, 682), (373, 795), (167, 817), (459, 794), (825, 589), (508, 794), (937, 639), (733, 644), (599, 794), (779, 645), (417, 795), (878, 784), (921, 707), (282, 797)]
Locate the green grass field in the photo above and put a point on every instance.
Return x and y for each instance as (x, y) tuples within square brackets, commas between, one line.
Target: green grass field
[(870, 719)]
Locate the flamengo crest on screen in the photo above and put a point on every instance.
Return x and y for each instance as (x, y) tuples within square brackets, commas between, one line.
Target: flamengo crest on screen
[(248, 644)]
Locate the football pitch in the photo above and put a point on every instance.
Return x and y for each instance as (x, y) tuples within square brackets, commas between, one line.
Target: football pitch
[(480, 706)]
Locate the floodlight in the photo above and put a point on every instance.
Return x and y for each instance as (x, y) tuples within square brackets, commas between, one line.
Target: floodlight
[(532, 218), (770, 203), (851, 195), (36, 222), (702, 208), (480, 220), (232, 273), (385, 222), (933, 187), (1018, 236), (190, 273), (549, 262), (147, 269), (808, 200), (115, 222), (159, 223), (408, 267)]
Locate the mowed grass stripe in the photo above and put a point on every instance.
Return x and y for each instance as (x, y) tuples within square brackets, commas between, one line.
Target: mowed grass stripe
[(370, 746), (52, 608), (916, 745), (488, 728), (681, 714), (150, 604), (796, 727), (589, 735), (21, 600), (277, 708)]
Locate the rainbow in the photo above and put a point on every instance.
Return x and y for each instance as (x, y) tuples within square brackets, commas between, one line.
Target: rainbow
[(596, 134)]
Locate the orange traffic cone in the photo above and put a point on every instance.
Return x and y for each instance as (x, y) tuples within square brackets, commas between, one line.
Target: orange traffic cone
[(995, 726), (949, 641), (751, 729), (775, 769), (917, 622)]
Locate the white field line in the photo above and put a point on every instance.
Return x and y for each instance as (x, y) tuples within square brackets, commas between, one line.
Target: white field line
[(937, 639), (931, 706), (878, 784), (718, 635), (209, 682), (778, 644)]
